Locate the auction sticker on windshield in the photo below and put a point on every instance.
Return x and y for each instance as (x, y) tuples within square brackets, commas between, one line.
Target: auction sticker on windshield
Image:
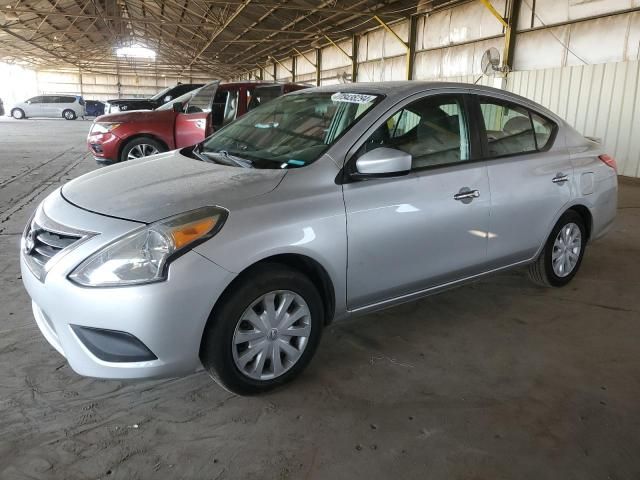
[(352, 97)]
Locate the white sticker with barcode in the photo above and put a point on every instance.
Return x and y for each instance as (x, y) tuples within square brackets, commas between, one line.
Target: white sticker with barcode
[(352, 97)]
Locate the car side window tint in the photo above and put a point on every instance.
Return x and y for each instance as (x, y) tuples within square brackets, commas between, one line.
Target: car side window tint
[(433, 130), (543, 130), (508, 128)]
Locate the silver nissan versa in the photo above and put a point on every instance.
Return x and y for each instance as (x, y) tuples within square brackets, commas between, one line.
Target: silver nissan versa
[(322, 204)]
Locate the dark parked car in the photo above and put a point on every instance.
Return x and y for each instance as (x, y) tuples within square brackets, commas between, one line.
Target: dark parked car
[(94, 108), (160, 98), (1, 108)]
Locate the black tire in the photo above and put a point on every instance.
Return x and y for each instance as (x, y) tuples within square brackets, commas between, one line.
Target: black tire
[(216, 350), (541, 271), (19, 112), (69, 114), (140, 141)]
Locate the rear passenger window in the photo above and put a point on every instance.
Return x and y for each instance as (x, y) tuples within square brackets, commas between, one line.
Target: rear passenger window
[(511, 129), (543, 129)]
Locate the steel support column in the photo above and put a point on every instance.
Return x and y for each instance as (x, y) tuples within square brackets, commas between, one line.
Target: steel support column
[(318, 65), (354, 58), (510, 33), (411, 54)]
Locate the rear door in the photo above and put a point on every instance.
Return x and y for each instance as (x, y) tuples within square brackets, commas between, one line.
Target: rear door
[(191, 124), (529, 174)]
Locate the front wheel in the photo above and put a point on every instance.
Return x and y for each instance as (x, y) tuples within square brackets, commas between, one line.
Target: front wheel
[(69, 115), (562, 255), (141, 147), (264, 331), (17, 113)]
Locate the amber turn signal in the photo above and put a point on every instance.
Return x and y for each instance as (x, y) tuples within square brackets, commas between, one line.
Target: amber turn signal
[(188, 233)]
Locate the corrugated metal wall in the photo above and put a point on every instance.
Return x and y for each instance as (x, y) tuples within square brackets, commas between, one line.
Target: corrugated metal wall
[(598, 100)]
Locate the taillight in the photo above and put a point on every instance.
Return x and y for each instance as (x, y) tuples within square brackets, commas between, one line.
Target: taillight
[(609, 161)]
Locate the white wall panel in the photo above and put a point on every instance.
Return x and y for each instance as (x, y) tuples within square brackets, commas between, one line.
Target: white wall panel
[(332, 57), (541, 48), (303, 66), (599, 41)]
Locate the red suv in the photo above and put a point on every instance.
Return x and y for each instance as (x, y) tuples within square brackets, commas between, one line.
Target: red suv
[(185, 121)]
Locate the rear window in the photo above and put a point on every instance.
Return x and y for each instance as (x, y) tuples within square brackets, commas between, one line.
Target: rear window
[(512, 129)]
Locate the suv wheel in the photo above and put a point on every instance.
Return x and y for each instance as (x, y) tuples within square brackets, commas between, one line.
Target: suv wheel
[(69, 115), (141, 147), (562, 255), (17, 113), (264, 331)]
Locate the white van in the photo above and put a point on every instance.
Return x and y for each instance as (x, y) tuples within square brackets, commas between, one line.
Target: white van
[(68, 107)]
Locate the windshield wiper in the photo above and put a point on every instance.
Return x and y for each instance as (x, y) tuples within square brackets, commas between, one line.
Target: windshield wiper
[(200, 156), (229, 158)]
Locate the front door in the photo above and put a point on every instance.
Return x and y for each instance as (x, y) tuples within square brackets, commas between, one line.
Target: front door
[(35, 107), (191, 124), (424, 229)]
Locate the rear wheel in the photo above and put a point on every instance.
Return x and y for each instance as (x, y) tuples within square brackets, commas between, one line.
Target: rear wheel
[(562, 255), (69, 115), (17, 113), (264, 331), (141, 147)]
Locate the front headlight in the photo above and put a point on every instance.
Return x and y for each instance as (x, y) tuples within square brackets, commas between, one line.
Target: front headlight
[(144, 255), (104, 127)]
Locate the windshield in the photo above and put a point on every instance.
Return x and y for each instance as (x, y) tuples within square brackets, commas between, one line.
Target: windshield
[(290, 131), (161, 94), (182, 98)]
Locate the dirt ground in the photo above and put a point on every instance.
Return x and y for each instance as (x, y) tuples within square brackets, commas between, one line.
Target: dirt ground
[(496, 380)]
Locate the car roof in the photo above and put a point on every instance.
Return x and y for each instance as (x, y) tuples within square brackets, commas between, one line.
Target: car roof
[(397, 90)]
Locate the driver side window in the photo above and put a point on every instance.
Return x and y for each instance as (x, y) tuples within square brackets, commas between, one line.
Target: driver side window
[(433, 130)]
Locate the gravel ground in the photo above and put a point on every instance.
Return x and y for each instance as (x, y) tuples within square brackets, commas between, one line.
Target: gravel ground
[(495, 380)]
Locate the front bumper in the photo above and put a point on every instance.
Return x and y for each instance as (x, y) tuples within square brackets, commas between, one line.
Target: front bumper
[(167, 317), (105, 147)]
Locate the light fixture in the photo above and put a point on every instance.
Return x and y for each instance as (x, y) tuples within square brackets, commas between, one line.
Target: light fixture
[(135, 51)]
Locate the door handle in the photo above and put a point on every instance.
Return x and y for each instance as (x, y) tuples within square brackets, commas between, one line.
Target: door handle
[(466, 194), (560, 178)]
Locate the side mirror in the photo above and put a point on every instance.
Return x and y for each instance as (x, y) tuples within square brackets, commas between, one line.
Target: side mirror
[(178, 107), (382, 162)]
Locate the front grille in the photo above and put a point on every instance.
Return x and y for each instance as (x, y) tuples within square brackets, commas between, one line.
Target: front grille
[(48, 244), (45, 240)]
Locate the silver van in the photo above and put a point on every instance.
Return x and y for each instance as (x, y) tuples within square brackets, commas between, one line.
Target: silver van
[(68, 107)]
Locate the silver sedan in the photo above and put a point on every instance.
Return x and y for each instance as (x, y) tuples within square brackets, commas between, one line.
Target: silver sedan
[(322, 204)]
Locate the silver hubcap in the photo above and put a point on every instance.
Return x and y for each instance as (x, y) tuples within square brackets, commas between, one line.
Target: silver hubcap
[(68, 115), (17, 114), (142, 150), (566, 250), (271, 335)]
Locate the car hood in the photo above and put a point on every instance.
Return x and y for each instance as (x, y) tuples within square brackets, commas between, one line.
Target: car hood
[(137, 116), (160, 186)]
